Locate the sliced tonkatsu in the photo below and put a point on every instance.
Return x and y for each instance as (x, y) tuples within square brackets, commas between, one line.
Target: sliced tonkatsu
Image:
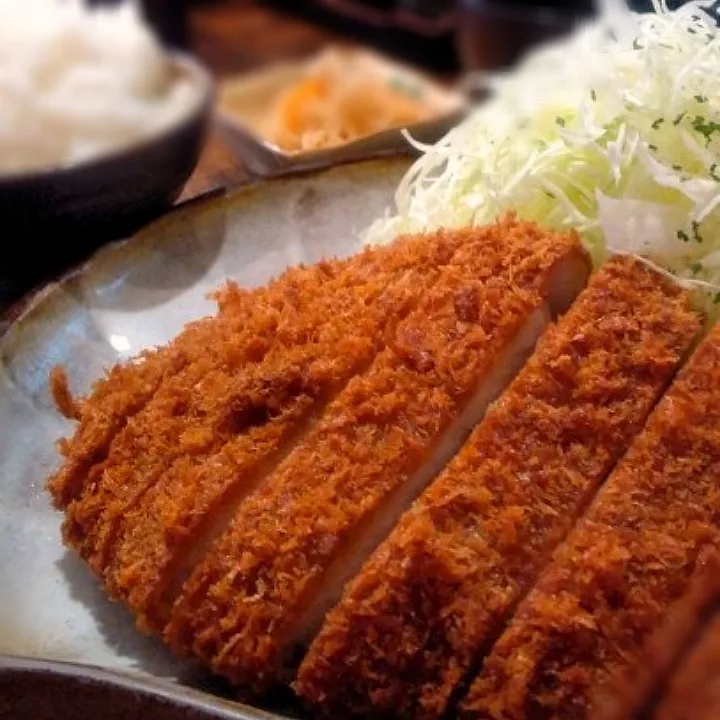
[(113, 400), (274, 364), (679, 670), (172, 418), (271, 406), (129, 387), (630, 558), (264, 587), (438, 592)]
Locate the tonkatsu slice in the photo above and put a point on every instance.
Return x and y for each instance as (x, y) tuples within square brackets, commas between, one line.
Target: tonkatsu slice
[(191, 502), (439, 590), (631, 557), (247, 378), (263, 589), (129, 386), (679, 670)]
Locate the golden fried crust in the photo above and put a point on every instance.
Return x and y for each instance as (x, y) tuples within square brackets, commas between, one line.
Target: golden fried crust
[(220, 395), (343, 330), (627, 561), (636, 691), (128, 387), (167, 422), (101, 416), (68, 406), (239, 608), (413, 622)]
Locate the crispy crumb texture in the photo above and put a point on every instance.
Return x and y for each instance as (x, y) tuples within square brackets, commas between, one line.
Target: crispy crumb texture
[(112, 401), (630, 558), (231, 389), (128, 387), (188, 411), (439, 589), (333, 338), (669, 674), (239, 610), (68, 406)]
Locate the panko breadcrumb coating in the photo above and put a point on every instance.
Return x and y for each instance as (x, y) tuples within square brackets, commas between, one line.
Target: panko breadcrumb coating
[(628, 560), (417, 617), (230, 390), (128, 387), (183, 416), (246, 605), (341, 333), (111, 403)]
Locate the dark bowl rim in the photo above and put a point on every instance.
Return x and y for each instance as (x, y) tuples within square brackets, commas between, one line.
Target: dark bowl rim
[(203, 106)]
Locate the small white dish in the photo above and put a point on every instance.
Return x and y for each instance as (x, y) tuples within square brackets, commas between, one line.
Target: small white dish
[(243, 105)]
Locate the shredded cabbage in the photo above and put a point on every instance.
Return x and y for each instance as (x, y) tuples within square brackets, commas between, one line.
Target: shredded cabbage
[(614, 131)]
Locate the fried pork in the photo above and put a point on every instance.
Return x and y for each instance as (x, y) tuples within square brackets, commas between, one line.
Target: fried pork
[(264, 587), (626, 563), (128, 387), (113, 400), (275, 365), (438, 591), (191, 502)]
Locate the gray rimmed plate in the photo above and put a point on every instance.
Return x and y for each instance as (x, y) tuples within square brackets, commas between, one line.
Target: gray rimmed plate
[(129, 296)]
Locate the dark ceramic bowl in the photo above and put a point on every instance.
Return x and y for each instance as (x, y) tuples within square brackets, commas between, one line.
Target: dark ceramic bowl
[(104, 198)]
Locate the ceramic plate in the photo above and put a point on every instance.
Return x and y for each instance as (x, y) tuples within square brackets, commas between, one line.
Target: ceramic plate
[(244, 102), (130, 296)]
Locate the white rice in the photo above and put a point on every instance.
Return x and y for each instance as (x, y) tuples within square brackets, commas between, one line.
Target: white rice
[(77, 83)]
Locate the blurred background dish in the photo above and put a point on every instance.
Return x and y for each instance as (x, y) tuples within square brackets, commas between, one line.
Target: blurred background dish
[(53, 218), (114, 191), (77, 85), (344, 104), (240, 41), (100, 129)]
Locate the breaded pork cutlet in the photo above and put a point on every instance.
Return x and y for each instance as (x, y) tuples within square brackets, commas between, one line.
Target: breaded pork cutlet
[(637, 692), (128, 387), (112, 401), (166, 422), (263, 589), (440, 589), (191, 503), (244, 383), (631, 557)]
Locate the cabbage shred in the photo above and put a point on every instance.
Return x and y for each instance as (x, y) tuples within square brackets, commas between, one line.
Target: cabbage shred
[(614, 132)]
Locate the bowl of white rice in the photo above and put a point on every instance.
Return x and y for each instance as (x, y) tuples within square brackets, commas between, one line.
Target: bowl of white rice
[(100, 127)]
